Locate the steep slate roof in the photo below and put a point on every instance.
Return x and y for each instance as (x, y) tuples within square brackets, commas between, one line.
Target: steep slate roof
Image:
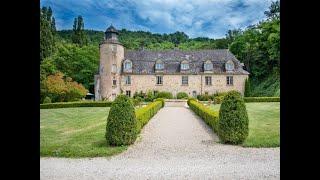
[(143, 61)]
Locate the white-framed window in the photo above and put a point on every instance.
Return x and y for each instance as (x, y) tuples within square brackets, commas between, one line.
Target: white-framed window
[(128, 80), (128, 93), (114, 68), (159, 65), (230, 80), (208, 66), (127, 65), (208, 80), (194, 93), (229, 65), (159, 80), (184, 80), (184, 66)]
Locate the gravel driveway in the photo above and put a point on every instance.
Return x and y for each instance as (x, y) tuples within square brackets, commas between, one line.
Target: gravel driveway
[(175, 144)]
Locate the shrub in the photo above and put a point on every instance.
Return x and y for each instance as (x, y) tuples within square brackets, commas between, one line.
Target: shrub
[(233, 119), (122, 122), (76, 104), (146, 113), (47, 100), (247, 88), (165, 95), (182, 95), (204, 97), (160, 99), (261, 99), (149, 97), (208, 115)]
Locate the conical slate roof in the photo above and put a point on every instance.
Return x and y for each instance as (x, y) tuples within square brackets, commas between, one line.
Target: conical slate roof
[(112, 29)]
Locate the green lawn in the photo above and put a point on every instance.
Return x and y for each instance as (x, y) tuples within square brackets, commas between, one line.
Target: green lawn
[(264, 124), (75, 132)]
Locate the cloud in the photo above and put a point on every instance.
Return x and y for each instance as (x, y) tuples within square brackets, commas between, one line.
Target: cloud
[(201, 18)]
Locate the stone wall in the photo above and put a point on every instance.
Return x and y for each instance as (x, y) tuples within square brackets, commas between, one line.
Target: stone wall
[(173, 84)]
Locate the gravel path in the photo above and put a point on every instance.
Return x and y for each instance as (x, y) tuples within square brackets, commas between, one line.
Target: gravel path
[(175, 144)]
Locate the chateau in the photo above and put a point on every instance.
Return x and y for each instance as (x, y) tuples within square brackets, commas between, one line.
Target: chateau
[(193, 72)]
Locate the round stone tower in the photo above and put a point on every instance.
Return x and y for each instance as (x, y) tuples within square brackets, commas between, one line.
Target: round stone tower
[(107, 82)]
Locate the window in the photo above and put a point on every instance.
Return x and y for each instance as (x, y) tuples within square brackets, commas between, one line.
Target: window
[(184, 66), (159, 66), (229, 80), (114, 68), (208, 80), (128, 80), (206, 93), (184, 80), (229, 65), (194, 93), (159, 80), (128, 93), (208, 66), (127, 65), (155, 93), (114, 48), (114, 82)]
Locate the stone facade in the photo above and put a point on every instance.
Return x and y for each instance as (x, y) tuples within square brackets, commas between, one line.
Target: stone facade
[(111, 80)]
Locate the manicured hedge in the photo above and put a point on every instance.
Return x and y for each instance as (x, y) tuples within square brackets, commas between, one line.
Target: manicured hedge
[(144, 114), (261, 99), (76, 104), (208, 115)]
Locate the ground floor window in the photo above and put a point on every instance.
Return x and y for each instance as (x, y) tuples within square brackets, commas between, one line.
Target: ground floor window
[(206, 93), (155, 93), (128, 93), (159, 80), (208, 80), (229, 80), (194, 93)]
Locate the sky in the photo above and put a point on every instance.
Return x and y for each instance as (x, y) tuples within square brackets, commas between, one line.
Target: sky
[(197, 18)]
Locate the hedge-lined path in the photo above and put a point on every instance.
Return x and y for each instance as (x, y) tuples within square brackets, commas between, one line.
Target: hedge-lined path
[(175, 144)]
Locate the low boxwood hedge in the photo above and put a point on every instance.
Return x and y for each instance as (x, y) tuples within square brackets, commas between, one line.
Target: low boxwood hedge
[(76, 104), (208, 115), (144, 114), (261, 99)]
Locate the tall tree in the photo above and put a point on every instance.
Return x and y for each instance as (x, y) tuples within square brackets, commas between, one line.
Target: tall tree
[(47, 41), (79, 36), (274, 11)]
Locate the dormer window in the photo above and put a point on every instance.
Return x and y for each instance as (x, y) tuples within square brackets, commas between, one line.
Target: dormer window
[(127, 66), (184, 65), (208, 66), (159, 65), (229, 65)]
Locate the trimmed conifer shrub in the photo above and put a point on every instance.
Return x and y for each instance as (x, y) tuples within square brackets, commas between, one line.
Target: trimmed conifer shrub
[(122, 124), (233, 119)]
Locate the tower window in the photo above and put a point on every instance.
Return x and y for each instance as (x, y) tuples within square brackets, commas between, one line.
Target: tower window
[(114, 68), (159, 80), (114, 82), (208, 80), (230, 80), (184, 80)]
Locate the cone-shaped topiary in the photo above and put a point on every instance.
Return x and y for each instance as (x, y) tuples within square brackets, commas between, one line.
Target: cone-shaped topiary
[(233, 119), (122, 124)]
